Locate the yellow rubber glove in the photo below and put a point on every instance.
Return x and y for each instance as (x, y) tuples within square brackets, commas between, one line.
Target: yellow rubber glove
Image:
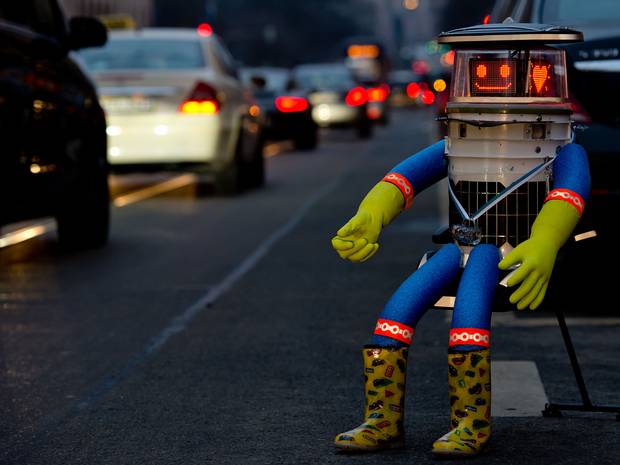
[(357, 240), (553, 226)]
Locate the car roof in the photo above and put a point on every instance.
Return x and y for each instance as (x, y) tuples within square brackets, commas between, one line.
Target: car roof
[(158, 33), (265, 70), (320, 67)]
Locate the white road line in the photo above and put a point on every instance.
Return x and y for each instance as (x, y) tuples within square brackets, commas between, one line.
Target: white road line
[(45, 227), (276, 148), (155, 190), (517, 390), (25, 234), (180, 322)]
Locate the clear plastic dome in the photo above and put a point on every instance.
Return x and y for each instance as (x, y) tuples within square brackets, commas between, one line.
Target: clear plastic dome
[(538, 74)]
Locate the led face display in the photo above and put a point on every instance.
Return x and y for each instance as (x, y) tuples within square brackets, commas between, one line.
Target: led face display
[(534, 74), (493, 78)]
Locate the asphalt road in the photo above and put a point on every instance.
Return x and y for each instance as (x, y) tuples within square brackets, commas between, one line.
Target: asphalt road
[(226, 331)]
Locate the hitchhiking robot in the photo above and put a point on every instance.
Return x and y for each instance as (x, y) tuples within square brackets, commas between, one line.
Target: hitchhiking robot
[(517, 189)]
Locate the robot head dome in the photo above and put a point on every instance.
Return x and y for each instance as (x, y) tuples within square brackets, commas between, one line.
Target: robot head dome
[(509, 63)]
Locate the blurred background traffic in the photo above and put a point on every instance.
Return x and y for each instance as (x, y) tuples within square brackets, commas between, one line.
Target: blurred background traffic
[(90, 88)]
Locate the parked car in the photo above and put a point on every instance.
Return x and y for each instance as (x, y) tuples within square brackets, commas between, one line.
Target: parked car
[(337, 99), (287, 111), (593, 75), (52, 127), (594, 80), (174, 99)]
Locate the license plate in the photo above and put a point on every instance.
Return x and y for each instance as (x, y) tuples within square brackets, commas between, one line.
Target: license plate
[(116, 105)]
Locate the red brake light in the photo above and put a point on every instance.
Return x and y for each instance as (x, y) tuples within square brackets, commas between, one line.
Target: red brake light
[(377, 94), (205, 30), (287, 104), (413, 90), (420, 67), (356, 97), (428, 97), (486, 19), (202, 100)]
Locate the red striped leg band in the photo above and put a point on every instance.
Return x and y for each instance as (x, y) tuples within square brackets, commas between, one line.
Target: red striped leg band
[(568, 196), (470, 336), (395, 330), (403, 185)]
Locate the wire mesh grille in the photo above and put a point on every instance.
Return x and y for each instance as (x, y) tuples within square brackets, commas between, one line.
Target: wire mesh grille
[(510, 220)]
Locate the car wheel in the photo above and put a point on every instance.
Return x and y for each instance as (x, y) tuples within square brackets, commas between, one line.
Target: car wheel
[(84, 218), (233, 178), (228, 180), (307, 141), (256, 169)]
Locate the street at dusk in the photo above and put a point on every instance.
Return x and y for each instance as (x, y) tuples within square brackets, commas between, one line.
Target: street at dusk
[(171, 290)]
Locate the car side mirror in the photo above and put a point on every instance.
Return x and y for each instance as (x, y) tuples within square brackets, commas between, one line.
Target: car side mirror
[(85, 32)]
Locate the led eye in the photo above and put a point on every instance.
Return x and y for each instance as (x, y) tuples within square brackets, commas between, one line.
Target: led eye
[(481, 71), (504, 71)]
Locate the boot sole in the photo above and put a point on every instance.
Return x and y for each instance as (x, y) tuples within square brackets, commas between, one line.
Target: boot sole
[(357, 448), (457, 455)]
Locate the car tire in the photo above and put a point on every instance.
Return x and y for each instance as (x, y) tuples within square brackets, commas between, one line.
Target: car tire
[(228, 180), (307, 141), (255, 172), (83, 221)]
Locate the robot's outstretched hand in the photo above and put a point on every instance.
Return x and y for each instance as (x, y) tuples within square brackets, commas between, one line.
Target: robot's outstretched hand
[(536, 258), (357, 240)]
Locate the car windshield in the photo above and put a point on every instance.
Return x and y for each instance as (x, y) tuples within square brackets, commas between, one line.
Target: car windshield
[(147, 54), (275, 80), (568, 12), (324, 78)]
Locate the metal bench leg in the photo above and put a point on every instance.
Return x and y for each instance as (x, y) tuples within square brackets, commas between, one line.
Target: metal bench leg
[(555, 410)]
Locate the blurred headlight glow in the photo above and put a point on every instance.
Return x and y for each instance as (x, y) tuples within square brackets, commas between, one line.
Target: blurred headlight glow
[(161, 130), (114, 130), (324, 112)]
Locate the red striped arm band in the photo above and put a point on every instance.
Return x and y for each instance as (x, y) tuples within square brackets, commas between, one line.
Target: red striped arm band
[(470, 336), (569, 196), (395, 330), (404, 186)]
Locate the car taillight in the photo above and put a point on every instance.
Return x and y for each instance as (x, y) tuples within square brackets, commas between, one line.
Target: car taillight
[(356, 97), (420, 67), (580, 115), (428, 97), (287, 104), (377, 94), (413, 90), (203, 100)]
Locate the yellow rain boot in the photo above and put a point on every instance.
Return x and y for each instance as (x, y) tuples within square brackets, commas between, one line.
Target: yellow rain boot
[(469, 381), (385, 369)]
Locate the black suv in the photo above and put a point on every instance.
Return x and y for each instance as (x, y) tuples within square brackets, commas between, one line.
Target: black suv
[(52, 128), (594, 81)]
